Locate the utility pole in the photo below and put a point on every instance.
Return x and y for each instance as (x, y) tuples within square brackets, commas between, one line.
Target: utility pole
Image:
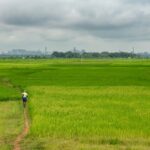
[(74, 49), (45, 53), (133, 49)]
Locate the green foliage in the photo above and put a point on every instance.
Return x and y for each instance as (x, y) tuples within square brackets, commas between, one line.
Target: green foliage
[(82, 103), (11, 123), (8, 93), (83, 54), (76, 73), (90, 111)]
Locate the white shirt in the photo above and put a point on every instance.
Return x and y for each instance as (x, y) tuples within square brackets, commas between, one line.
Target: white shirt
[(24, 94)]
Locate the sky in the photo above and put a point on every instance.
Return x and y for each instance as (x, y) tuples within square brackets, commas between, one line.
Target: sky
[(93, 25)]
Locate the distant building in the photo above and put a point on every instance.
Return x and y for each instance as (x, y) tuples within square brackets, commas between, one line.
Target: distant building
[(23, 52)]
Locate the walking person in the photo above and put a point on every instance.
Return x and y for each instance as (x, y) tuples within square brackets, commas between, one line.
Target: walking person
[(24, 98)]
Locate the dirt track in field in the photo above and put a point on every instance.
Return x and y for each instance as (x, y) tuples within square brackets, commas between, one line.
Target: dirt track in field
[(21, 136)]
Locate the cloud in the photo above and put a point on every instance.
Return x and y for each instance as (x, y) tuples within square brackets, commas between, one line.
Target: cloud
[(66, 20), (137, 2)]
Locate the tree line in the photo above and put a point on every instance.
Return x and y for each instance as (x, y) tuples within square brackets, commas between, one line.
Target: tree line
[(79, 54), (70, 54)]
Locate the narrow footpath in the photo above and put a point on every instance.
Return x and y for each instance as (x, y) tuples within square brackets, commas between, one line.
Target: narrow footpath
[(21, 136)]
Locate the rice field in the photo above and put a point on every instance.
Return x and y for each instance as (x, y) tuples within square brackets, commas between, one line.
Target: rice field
[(81, 105), (11, 123)]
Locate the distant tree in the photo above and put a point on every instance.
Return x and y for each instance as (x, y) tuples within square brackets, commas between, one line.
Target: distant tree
[(105, 54)]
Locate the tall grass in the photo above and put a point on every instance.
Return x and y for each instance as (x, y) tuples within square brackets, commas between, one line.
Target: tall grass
[(11, 123), (116, 112), (88, 104)]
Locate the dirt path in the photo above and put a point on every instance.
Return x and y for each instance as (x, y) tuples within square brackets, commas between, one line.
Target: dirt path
[(24, 132)]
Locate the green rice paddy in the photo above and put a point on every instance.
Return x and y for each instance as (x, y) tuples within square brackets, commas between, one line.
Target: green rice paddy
[(80, 105)]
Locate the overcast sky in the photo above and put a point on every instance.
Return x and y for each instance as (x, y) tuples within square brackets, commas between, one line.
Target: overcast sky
[(95, 25)]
